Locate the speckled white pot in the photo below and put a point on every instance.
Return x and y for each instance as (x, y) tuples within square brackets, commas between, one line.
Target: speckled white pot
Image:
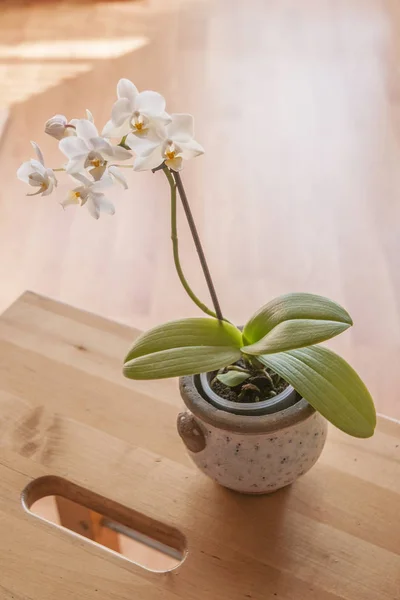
[(250, 454)]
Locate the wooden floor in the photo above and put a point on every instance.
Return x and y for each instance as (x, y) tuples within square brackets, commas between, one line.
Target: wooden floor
[(297, 105)]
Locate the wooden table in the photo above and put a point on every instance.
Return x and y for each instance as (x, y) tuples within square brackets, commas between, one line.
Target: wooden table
[(66, 411)]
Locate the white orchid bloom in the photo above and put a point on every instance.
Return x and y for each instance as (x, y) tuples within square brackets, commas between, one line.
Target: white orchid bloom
[(89, 150), (117, 175), (59, 127), (90, 193), (135, 113), (175, 144), (110, 171), (35, 173)]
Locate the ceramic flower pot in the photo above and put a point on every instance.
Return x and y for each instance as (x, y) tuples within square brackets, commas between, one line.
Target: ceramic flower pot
[(251, 448)]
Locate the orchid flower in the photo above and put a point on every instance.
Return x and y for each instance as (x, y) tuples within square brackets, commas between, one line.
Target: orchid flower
[(112, 172), (175, 143), (89, 150), (59, 127), (117, 175), (90, 193), (35, 173), (135, 113)]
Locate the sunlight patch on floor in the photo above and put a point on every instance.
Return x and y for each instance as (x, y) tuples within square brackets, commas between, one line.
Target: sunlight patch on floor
[(48, 63), (73, 49), (21, 81)]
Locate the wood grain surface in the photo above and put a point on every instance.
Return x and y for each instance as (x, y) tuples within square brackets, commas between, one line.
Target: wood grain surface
[(66, 411), (297, 106)]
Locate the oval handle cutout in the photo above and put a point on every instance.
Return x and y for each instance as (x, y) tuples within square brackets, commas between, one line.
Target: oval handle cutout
[(150, 544)]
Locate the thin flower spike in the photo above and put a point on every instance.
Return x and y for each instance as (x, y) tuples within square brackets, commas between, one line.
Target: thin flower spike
[(35, 173), (135, 113), (90, 193), (89, 150), (175, 144)]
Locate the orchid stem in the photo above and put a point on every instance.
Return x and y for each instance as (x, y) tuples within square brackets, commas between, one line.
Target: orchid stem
[(175, 247), (123, 143), (197, 243)]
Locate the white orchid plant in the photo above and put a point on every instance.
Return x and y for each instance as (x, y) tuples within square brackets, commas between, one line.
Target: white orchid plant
[(280, 339)]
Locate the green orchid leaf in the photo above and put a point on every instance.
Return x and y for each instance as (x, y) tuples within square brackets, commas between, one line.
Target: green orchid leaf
[(330, 385), (233, 378), (296, 333), (183, 347), (176, 362), (185, 333), (290, 307)]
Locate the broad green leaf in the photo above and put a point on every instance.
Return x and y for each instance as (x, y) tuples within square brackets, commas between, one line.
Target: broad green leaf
[(330, 385), (289, 307), (183, 347), (184, 334), (233, 378), (296, 333), (177, 362)]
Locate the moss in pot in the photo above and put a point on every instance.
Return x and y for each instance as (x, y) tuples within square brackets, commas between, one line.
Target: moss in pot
[(247, 382), (257, 399)]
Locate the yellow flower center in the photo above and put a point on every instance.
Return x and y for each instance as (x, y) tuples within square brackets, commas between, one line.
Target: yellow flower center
[(138, 123), (170, 155), (95, 162), (77, 195)]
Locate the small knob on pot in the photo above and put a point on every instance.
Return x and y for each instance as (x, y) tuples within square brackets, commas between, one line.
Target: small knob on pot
[(190, 432)]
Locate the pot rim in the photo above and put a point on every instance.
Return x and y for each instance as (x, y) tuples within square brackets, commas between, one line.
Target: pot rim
[(283, 400), (222, 419)]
